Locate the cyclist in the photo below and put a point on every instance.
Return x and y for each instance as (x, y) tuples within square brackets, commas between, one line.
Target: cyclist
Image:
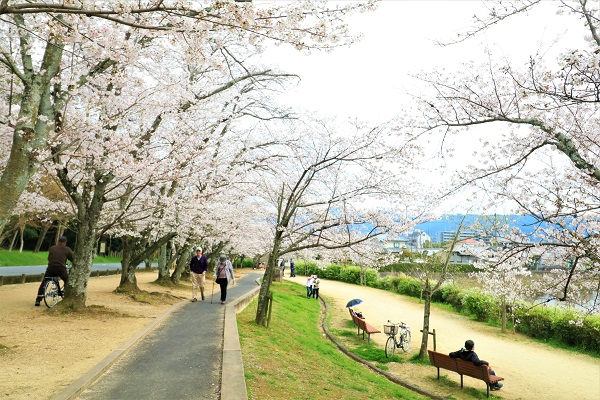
[(57, 265)]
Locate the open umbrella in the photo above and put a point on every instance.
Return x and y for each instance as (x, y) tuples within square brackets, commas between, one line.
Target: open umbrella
[(353, 302)]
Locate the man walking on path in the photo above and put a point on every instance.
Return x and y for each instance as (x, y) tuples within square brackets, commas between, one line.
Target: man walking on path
[(57, 265), (198, 268)]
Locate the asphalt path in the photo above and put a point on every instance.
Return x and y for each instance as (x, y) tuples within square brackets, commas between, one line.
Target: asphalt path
[(180, 359), (40, 269)]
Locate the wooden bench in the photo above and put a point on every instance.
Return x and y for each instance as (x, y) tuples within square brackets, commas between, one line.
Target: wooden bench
[(461, 367), (361, 324)]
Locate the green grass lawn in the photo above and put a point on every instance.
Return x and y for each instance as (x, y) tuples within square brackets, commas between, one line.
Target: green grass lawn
[(293, 360), (14, 258)]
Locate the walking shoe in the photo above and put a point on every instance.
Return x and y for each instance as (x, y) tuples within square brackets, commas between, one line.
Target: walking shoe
[(37, 303), (498, 386), (222, 302), (194, 300)]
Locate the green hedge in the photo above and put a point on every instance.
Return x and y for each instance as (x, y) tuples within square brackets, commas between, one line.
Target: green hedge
[(564, 326), (243, 263), (408, 267)]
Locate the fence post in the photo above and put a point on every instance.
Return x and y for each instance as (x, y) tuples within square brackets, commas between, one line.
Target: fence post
[(269, 308), (23, 278), (1, 280), (434, 338)]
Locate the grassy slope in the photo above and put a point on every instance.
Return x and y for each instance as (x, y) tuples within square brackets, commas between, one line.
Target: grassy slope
[(293, 360), (14, 258)]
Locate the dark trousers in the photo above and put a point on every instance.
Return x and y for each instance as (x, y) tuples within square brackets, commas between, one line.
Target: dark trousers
[(223, 283), (50, 272), (315, 293)]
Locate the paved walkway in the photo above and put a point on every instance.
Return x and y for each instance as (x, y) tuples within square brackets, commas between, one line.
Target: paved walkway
[(180, 359)]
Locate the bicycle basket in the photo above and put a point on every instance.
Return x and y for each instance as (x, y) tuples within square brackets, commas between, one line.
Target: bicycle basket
[(390, 329)]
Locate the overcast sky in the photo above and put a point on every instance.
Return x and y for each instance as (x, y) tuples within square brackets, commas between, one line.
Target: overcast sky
[(370, 80)]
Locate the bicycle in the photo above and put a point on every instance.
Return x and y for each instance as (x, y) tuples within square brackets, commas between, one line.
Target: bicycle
[(54, 290), (392, 343)]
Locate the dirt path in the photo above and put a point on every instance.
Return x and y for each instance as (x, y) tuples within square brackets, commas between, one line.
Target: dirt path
[(44, 352), (531, 370)]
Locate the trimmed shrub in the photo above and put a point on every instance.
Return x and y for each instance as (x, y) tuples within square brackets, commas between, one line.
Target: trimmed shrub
[(371, 276), (332, 272), (350, 275), (450, 294), (480, 305), (409, 267), (306, 268), (409, 287)]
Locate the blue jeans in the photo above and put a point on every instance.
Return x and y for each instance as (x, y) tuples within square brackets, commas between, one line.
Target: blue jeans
[(308, 291)]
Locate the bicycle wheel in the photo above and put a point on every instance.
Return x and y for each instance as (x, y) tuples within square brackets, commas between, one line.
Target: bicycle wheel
[(51, 296), (405, 340), (390, 347)]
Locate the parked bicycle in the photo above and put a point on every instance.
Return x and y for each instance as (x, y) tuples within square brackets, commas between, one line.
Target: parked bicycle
[(403, 342), (54, 290)]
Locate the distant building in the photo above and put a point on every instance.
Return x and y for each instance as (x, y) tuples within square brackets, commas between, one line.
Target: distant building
[(448, 236), (418, 238), (396, 244), (463, 252)]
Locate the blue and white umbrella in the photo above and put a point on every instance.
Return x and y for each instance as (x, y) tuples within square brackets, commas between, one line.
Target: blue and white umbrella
[(354, 302)]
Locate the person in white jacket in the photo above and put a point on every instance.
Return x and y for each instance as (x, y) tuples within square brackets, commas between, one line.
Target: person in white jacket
[(223, 275), (309, 285)]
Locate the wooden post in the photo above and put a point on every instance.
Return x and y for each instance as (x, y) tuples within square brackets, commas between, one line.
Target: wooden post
[(269, 309), (1, 280), (23, 278), (434, 338)]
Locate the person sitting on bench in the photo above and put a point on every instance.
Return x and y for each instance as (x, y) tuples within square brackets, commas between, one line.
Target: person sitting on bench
[(356, 311), (467, 354)]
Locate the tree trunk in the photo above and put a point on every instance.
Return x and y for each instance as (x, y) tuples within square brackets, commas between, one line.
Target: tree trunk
[(30, 134), (135, 251), (38, 245), (163, 264), (182, 263), (83, 258), (128, 282), (426, 313), (21, 232), (60, 229), (503, 306), (265, 287), (13, 240)]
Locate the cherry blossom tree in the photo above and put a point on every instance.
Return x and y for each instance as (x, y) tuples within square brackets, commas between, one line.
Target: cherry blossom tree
[(545, 158), (323, 187), (51, 49), (503, 279)]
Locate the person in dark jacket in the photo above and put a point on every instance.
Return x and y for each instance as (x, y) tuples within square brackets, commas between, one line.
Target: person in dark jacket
[(57, 265), (198, 268), (468, 354)]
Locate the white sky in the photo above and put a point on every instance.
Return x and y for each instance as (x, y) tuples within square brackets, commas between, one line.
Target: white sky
[(370, 80)]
